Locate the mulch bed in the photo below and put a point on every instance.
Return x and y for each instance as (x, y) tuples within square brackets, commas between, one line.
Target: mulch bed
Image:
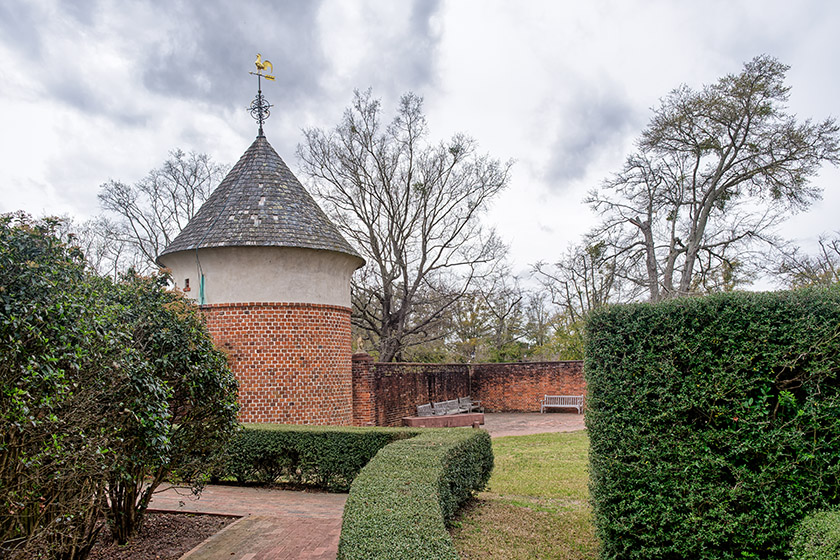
[(164, 536)]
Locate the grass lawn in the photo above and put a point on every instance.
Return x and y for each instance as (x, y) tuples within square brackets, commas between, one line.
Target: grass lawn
[(536, 505)]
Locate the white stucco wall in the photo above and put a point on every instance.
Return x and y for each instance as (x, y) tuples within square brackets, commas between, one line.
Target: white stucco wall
[(265, 274)]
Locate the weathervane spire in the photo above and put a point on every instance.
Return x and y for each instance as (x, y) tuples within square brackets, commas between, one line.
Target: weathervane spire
[(259, 106)]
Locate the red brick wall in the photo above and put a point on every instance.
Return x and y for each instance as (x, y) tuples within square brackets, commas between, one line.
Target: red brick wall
[(292, 360), (385, 392), (520, 387)]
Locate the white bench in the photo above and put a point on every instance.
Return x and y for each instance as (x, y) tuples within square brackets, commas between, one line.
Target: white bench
[(562, 401)]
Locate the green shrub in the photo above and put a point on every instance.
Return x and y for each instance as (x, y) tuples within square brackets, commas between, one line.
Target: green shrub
[(401, 502), (817, 537), (325, 456), (713, 422), (105, 389)]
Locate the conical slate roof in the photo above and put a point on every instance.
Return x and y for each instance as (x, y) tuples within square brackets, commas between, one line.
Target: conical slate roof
[(260, 203)]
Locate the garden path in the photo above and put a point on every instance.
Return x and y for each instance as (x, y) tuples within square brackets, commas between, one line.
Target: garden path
[(277, 524), (523, 424)]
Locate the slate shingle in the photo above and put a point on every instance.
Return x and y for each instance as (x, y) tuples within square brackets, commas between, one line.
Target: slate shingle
[(260, 203)]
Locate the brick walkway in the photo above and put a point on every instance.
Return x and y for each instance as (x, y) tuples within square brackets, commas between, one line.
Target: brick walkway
[(275, 524), (520, 424)]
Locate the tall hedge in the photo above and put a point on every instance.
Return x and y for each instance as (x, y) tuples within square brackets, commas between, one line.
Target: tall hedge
[(714, 422)]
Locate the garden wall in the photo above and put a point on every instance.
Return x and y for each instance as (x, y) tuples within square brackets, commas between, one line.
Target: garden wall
[(383, 393)]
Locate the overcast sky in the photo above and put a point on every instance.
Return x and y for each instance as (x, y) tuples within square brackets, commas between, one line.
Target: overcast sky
[(98, 90)]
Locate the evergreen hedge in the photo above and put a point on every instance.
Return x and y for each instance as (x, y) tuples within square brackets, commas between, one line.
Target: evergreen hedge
[(328, 457), (817, 537), (401, 502), (714, 422)]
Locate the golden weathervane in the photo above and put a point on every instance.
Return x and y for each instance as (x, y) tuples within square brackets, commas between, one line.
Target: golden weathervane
[(260, 107)]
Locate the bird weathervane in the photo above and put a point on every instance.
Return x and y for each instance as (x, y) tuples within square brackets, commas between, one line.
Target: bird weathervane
[(259, 106)]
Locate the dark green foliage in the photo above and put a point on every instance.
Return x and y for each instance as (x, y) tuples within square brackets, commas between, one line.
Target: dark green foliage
[(105, 389), (713, 422), (400, 503), (817, 537), (328, 457), (59, 369), (185, 410)]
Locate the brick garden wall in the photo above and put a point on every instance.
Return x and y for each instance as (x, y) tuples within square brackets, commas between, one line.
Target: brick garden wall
[(385, 392), (292, 360)]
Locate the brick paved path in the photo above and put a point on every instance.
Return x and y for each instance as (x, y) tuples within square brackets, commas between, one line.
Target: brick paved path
[(276, 524), (520, 423)]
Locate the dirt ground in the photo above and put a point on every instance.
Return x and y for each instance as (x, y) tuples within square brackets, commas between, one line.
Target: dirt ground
[(164, 536)]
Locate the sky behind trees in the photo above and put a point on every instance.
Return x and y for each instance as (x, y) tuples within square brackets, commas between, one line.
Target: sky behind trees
[(92, 91)]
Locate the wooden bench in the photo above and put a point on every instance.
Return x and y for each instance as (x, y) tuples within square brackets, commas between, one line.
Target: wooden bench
[(444, 408), (468, 405), (460, 405), (425, 410), (562, 401)]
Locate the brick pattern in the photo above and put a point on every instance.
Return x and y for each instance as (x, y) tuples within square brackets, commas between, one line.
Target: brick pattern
[(292, 360), (520, 387), (383, 393)]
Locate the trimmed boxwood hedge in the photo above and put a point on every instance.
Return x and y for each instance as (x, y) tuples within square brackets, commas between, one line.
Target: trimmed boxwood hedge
[(714, 422), (817, 537), (328, 457), (401, 502)]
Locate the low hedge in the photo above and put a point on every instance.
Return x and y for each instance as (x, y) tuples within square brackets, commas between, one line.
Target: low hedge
[(713, 423), (401, 502), (328, 457), (817, 537)]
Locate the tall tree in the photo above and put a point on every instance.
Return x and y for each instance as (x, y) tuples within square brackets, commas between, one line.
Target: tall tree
[(412, 207), (714, 172), (146, 216)]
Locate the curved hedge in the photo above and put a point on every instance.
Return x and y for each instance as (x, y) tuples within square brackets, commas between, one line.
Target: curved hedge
[(401, 501), (713, 422), (325, 456), (817, 537)]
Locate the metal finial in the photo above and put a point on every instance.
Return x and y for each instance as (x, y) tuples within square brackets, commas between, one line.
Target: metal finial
[(259, 108)]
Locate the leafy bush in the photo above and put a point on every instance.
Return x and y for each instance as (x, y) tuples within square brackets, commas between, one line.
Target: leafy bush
[(325, 456), (817, 537), (713, 422), (59, 372), (401, 501), (105, 389), (185, 410)]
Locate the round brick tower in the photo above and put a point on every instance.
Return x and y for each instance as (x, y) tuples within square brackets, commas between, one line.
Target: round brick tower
[(272, 275)]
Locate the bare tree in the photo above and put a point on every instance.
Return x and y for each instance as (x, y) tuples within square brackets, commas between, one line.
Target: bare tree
[(150, 213), (412, 207), (822, 269), (715, 171), (583, 280)]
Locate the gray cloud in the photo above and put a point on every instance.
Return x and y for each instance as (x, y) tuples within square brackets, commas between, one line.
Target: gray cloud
[(19, 27), (409, 62), (596, 124), (217, 42)]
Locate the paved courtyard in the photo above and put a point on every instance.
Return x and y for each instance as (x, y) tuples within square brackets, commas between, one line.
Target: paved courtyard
[(521, 424)]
